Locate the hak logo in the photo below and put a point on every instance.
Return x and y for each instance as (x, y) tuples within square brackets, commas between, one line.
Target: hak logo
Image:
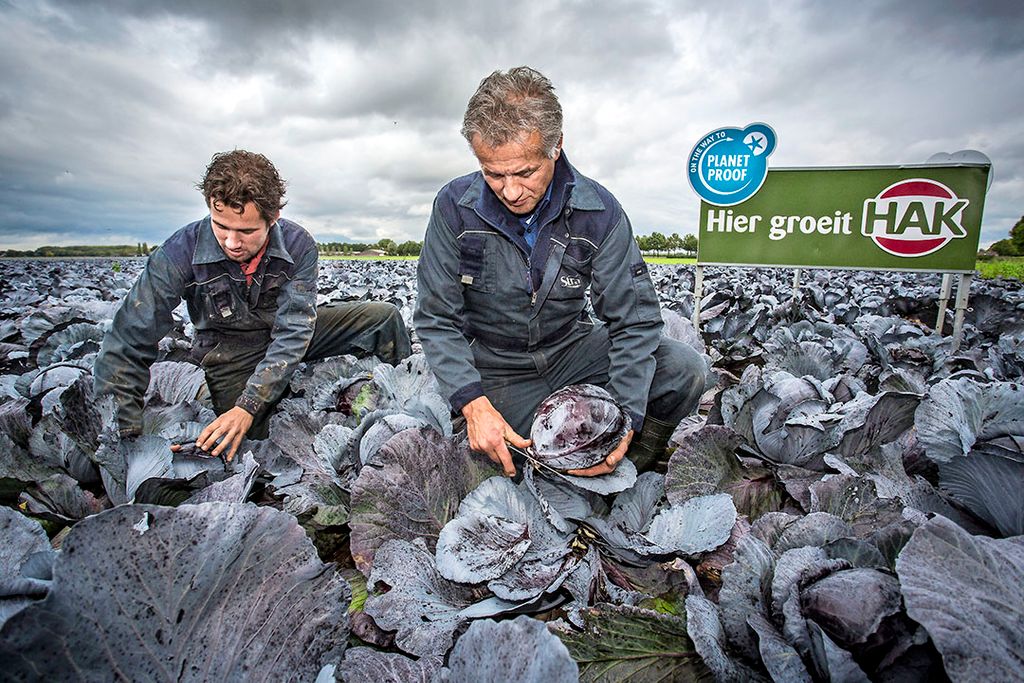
[(914, 217)]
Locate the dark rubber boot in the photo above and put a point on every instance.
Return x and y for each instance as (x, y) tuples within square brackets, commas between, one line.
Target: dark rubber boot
[(647, 450)]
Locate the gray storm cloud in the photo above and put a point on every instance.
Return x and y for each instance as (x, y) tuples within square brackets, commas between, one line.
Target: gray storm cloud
[(109, 110)]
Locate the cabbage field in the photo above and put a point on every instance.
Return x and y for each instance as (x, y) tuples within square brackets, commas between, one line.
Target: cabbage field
[(847, 505)]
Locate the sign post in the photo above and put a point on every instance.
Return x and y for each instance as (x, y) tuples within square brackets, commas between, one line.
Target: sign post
[(944, 291), (962, 290), (698, 293)]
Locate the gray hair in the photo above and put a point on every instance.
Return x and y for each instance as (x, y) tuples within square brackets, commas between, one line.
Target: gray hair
[(509, 106)]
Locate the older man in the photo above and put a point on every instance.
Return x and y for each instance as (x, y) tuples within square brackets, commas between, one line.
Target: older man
[(509, 254), (248, 278)]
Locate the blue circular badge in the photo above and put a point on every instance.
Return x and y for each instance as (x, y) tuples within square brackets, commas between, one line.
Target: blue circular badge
[(729, 165)]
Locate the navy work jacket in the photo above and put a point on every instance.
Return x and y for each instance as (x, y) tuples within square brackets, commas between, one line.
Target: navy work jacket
[(277, 310), (478, 281)]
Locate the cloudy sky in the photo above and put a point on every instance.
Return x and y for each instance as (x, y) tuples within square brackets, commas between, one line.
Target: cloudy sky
[(110, 109)]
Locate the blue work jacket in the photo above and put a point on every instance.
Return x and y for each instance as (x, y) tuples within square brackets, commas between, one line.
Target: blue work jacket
[(278, 310), (478, 281)]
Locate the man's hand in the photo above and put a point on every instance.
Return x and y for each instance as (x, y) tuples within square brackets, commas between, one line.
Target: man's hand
[(230, 428), (488, 433), (610, 462)]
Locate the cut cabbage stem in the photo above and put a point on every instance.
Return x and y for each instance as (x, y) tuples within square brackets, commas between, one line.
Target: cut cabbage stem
[(537, 464)]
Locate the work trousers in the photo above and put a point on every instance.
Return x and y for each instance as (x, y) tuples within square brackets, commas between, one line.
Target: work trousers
[(361, 328), (516, 382)]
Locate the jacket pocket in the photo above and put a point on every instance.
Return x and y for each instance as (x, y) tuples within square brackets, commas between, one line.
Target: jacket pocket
[(573, 278), (476, 264), (219, 301), (269, 292), (647, 307)]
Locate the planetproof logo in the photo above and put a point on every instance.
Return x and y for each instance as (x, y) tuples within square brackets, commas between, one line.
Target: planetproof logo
[(729, 165), (914, 217)]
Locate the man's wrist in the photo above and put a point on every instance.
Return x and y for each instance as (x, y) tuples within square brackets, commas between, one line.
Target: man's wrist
[(249, 404), (474, 406), (461, 398)]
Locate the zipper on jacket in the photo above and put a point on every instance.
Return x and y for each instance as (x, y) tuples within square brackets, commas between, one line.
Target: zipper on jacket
[(248, 296), (529, 274), (529, 279)]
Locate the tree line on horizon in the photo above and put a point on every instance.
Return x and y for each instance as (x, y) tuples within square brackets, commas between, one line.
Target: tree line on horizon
[(1012, 245), (656, 243), (107, 250), (670, 245), (388, 246)]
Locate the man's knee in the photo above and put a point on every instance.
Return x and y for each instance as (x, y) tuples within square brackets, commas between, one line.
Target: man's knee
[(678, 380), (381, 311), (391, 341), (362, 328), (356, 314)]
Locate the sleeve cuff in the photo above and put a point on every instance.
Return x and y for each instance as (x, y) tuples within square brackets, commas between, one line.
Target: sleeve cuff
[(638, 421), (249, 404), (466, 394)]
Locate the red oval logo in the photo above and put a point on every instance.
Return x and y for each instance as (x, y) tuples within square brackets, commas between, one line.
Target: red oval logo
[(914, 217)]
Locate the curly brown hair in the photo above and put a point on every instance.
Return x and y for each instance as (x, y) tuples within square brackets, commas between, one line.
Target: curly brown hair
[(238, 177)]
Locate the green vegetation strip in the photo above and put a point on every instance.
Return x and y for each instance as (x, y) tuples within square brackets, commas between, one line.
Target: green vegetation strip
[(367, 258), (1012, 267), (671, 260)]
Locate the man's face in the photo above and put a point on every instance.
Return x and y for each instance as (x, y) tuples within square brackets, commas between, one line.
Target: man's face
[(240, 235), (517, 172)]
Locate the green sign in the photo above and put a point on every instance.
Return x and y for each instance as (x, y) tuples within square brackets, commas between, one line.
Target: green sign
[(924, 218)]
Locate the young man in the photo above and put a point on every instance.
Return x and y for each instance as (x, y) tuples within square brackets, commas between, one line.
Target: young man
[(509, 254), (248, 278)]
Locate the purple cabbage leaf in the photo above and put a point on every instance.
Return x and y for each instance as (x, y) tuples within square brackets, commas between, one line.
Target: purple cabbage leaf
[(512, 651), (968, 592), (990, 487), (145, 590), (706, 462), (21, 540), (489, 536), (367, 664), (960, 416), (409, 596), (416, 490)]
